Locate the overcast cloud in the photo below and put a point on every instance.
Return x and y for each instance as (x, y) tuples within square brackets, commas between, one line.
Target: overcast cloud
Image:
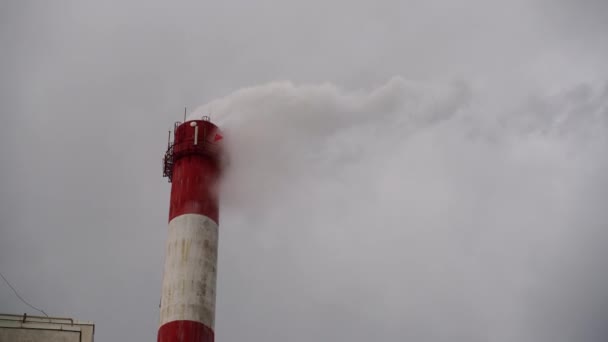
[(401, 170)]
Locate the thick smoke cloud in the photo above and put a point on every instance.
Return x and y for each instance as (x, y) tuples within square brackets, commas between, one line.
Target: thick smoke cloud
[(417, 210)]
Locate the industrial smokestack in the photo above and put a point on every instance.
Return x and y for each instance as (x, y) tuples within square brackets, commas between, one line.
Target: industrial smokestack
[(192, 164)]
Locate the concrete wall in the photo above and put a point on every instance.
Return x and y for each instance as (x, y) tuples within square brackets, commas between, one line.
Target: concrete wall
[(14, 328)]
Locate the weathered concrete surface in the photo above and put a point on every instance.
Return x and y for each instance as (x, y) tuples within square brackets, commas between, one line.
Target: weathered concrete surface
[(16, 328)]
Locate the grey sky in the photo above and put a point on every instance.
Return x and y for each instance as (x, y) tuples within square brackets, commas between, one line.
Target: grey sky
[(434, 172)]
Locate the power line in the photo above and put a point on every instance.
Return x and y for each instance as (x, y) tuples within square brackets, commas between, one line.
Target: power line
[(18, 296)]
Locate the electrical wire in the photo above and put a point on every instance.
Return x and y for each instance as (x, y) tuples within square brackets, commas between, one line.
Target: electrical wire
[(18, 296)]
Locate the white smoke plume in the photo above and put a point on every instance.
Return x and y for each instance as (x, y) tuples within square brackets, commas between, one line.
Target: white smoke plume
[(430, 212)]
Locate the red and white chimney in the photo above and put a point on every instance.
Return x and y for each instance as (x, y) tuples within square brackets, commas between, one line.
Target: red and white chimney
[(193, 165)]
